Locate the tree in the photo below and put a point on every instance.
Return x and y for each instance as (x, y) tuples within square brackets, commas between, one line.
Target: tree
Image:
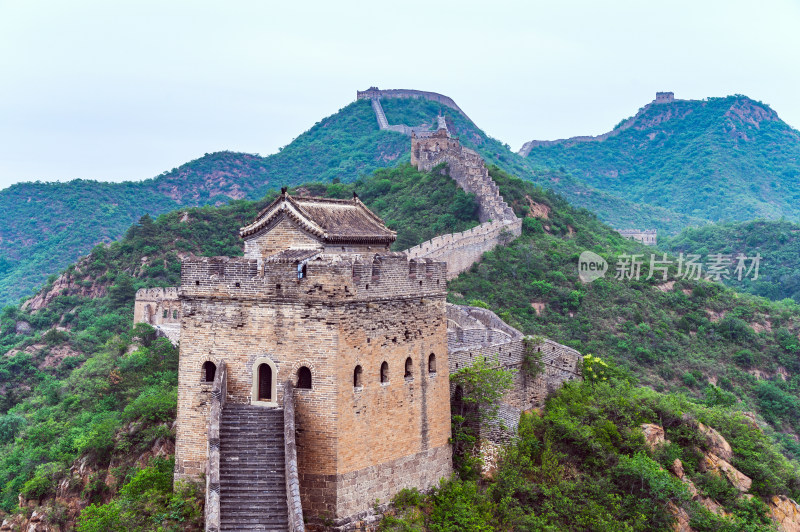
[(479, 388)]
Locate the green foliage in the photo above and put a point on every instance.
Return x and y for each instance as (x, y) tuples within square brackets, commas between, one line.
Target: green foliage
[(483, 384), (148, 502), (716, 159), (666, 339), (594, 369), (41, 437), (584, 465), (532, 360), (778, 243)]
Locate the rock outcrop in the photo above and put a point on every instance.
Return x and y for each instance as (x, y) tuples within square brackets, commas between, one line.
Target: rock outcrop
[(715, 457), (785, 513)]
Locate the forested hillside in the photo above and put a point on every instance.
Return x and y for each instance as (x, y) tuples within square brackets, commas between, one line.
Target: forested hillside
[(46, 226), (89, 402), (717, 159), (777, 242)]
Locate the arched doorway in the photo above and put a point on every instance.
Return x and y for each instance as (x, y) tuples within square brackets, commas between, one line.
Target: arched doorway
[(265, 377), (264, 382)]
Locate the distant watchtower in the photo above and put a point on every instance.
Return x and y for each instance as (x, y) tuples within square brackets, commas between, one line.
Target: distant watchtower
[(665, 97)]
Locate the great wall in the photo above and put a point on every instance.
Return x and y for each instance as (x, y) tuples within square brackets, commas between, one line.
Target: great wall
[(268, 342), (499, 223), (661, 98)]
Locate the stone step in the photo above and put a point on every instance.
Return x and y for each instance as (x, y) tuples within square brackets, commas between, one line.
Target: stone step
[(233, 456), (247, 525), (253, 498), (253, 469), (272, 513), (267, 485), (245, 501), (265, 480)]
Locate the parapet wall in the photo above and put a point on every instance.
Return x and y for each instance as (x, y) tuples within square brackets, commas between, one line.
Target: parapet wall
[(462, 250), (500, 224), (374, 93), (466, 167), (328, 278), (475, 332)]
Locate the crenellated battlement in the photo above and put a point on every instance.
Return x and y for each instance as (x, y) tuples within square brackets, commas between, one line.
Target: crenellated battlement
[(323, 278), (157, 306)]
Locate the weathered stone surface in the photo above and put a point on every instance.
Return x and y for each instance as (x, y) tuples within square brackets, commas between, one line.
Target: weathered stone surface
[(785, 513), (714, 464), (677, 470), (716, 443), (681, 523), (348, 310), (476, 332), (22, 327), (653, 435)]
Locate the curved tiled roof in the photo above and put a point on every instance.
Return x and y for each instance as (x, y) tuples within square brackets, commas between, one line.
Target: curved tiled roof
[(334, 220)]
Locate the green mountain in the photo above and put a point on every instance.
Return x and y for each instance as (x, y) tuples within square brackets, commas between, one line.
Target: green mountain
[(777, 242), (719, 159), (697, 337), (88, 403), (46, 226)]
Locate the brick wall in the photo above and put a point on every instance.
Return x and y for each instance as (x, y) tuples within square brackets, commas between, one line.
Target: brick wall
[(462, 250), (349, 310), (474, 332), (466, 167)]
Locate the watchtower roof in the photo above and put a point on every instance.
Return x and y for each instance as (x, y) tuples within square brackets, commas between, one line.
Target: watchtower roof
[(333, 220)]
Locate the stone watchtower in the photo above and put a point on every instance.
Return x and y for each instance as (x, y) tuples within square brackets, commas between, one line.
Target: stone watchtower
[(361, 334)]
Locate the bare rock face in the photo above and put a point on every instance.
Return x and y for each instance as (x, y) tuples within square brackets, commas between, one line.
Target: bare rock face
[(681, 523), (653, 435), (677, 470), (785, 512), (22, 327), (716, 443), (718, 466)]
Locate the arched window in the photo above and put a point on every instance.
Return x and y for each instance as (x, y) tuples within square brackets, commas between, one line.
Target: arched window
[(409, 367), (384, 372), (376, 267), (432, 363), (209, 371), (357, 377), (304, 377)]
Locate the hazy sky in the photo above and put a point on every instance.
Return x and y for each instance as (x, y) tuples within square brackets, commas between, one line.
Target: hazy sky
[(116, 90)]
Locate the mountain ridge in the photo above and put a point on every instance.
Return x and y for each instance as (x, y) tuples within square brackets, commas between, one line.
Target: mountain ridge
[(719, 159), (40, 236)]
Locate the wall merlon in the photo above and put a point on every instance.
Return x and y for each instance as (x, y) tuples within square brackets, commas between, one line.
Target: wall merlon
[(332, 278)]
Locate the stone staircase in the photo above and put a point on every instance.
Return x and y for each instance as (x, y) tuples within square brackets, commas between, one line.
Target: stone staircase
[(252, 469), (383, 123)]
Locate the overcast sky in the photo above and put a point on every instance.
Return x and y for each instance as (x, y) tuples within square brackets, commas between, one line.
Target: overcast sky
[(116, 90)]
